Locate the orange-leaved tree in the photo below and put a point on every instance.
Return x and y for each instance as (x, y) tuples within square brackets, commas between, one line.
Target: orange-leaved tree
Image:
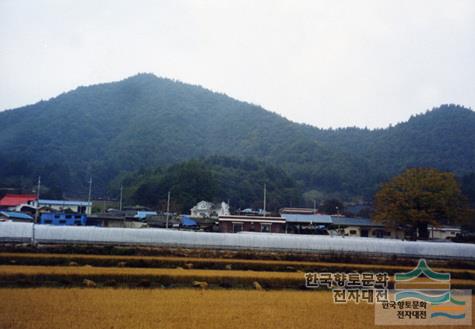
[(420, 197)]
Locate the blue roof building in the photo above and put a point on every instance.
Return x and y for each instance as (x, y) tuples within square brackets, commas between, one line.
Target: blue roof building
[(188, 222), (15, 216), (56, 218)]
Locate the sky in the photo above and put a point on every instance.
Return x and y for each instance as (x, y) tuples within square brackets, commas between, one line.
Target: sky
[(335, 63)]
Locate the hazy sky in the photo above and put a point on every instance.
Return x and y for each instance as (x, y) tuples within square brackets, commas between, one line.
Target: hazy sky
[(326, 63)]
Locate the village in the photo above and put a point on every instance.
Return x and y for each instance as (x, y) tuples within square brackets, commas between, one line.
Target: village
[(237, 164), (205, 216)]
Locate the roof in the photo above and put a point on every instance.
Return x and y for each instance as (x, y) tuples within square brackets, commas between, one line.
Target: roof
[(303, 211), (143, 214), (13, 200), (348, 221), (444, 228), (64, 203), (313, 218), (16, 215), (257, 219), (187, 221)]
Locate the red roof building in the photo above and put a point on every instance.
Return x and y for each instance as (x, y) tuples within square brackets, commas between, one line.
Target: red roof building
[(13, 200)]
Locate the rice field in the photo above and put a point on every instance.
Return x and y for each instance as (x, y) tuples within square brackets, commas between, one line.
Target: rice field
[(165, 259), (44, 308), (47, 290), (20, 275)]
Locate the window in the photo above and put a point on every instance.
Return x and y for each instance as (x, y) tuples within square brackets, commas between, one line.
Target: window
[(265, 227), (62, 222), (77, 222), (378, 233), (68, 216), (237, 227), (48, 221), (56, 216), (352, 232)]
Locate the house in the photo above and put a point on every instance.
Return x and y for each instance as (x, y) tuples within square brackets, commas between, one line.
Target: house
[(82, 207), (443, 232), (223, 210), (30, 209), (11, 201), (235, 224), (205, 209), (62, 218), (202, 209), (15, 217), (115, 219), (363, 227), (306, 223)]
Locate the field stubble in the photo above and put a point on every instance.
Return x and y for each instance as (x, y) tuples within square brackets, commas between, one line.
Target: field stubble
[(179, 308)]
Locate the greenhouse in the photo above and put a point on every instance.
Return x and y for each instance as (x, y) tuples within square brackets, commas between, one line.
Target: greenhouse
[(26, 232)]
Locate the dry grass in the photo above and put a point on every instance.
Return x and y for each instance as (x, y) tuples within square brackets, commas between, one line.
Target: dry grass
[(223, 261), (180, 308)]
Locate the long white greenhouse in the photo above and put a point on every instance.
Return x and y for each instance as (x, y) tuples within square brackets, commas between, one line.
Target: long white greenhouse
[(24, 232)]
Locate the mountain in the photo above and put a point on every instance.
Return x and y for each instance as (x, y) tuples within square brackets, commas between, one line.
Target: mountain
[(110, 129)]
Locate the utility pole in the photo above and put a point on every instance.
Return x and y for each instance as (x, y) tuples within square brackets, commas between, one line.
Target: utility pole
[(33, 241), (120, 202), (265, 199), (37, 198), (89, 194), (168, 208), (90, 189)]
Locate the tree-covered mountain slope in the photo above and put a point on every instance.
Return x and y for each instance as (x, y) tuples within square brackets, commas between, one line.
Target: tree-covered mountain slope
[(148, 122)]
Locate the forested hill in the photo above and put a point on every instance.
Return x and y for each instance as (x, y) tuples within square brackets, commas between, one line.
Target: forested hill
[(147, 122)]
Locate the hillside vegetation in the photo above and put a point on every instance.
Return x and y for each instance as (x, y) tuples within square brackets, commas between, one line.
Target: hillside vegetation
[(146, 124)]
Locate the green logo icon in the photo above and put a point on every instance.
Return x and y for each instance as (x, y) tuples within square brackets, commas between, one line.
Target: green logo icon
[(422, 268), (439, 298)]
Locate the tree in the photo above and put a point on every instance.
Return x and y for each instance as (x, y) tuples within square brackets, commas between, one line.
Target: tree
[(420, 197), (331, 207), (189, 183)]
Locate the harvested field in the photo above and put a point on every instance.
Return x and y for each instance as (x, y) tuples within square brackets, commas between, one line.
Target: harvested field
[(52, 259), (201, 253), (179, 308), (13, 275), (17, 275)]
